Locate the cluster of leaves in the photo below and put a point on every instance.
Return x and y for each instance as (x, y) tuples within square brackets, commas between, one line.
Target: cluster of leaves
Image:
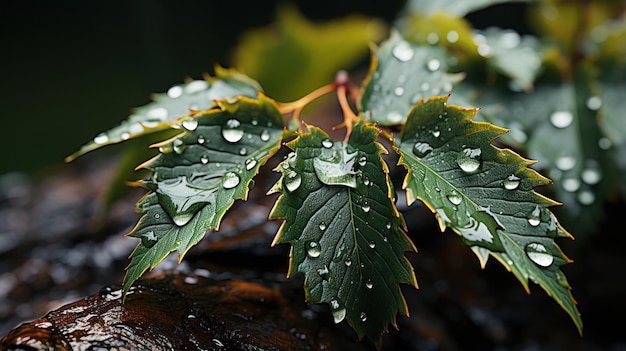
[(336, 199)]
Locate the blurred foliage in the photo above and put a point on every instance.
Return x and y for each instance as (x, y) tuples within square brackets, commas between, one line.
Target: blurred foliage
[(304, 53)]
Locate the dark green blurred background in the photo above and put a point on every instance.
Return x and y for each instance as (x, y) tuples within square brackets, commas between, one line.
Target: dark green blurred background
[(72, 69)]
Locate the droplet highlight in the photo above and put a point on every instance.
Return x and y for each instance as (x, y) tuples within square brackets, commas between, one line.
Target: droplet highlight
[(232, 131), (403, 51), (511, 182), (469, 159), (313, 249), (230, 180), (539, 254), (561, 119)]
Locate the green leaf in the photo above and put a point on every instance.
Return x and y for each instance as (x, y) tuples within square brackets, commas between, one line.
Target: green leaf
[(347, 236), (459, 8), (199, 174), (400, 75), (485, 194), (516, 57), (295, 55), (560, 125), (168, 108)]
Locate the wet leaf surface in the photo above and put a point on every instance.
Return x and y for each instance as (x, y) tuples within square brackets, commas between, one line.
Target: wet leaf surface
[(50, 222)]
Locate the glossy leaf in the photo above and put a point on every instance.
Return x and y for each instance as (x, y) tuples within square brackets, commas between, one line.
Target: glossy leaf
[(199, 174), (347, 236), (485, 194), (179, 101), (400, 75)]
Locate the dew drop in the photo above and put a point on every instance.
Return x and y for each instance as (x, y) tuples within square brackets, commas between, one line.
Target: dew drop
[(125, 136), (454, 198), (158, 113), (604, 143), (230, 180), (394, 117), (313, 249), (570, 184), (436, 133), (372, 245), (363, 317), (157, 216), (179, 146), (366, 207), (398, 91), (422, 149), (388, 225), (265, 135), (511, 182), (327, 143), (433, 65), (565, 163), (201, 139), (196, 86), (175, 92), (594, 103), (362, 161), (292, 180), (591, 174), (539, 254), (323, 272), (190, 124), (403, 51), (339, 312), (348, 262), (561, 119), (425, 86), (534, 217), (101, 138), (250, 163), (586, 197), (452, 36), (243, 151), (204, 159), (469, 159), (366, 181), (369, 284), (432, 38), (231, 131), (322, 226)]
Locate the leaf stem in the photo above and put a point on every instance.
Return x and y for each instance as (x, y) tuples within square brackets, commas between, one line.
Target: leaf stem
[(296, 106), (344, 88)]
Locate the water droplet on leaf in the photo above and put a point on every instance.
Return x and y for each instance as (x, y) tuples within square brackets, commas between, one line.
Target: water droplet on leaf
[(322, 226), (101, 138), (338, 311), (403, 51), (565, 163), (292, 180), (313, 249), (594, 103), (454, 198), (534, 218), (511, 182), (179, 146), (230, 180), (363, 317), (421, 149), (539, 254), (265, 135), (232, 131), (369, 284), (201, 139), (327, 143), (204, 159), (561, 119), (469, 159), (250, 163), (190, 124), (433, 65)]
